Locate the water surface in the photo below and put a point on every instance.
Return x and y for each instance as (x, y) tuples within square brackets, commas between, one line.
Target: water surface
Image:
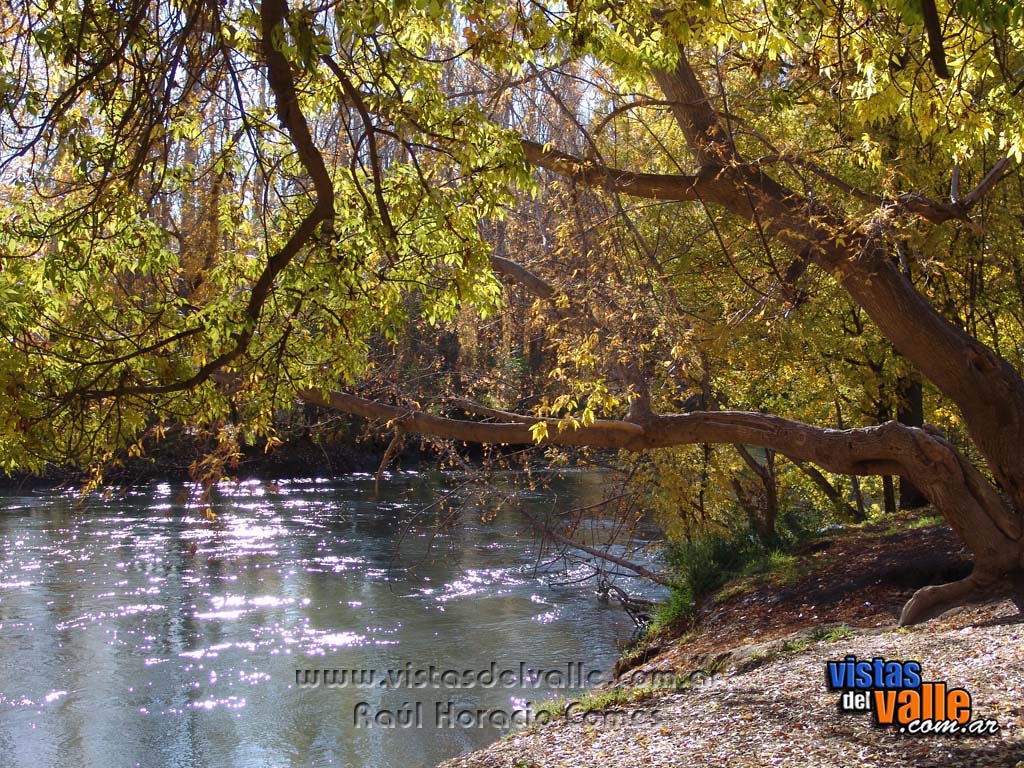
[(134, 632)]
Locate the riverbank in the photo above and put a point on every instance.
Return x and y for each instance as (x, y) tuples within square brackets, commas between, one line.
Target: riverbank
[(339, 445), (173, 458), (753, 671)]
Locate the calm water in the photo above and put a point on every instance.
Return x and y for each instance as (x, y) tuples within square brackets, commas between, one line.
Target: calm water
[(132, 634)]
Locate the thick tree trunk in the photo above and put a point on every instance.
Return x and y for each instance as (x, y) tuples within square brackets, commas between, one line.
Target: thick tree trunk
[(986, 388)]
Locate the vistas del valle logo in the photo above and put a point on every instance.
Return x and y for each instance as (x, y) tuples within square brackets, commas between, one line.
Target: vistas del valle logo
[(896, 694)]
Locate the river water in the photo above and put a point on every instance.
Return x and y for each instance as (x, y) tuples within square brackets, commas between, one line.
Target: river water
[(135, 632)]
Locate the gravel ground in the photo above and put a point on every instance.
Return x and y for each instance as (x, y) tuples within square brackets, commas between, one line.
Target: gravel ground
[(783, 714)]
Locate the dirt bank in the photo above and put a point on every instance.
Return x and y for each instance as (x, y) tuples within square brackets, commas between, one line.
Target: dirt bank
[(755, 690)]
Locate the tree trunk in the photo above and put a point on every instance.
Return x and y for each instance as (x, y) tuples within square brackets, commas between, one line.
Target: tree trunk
[(888, 495), (911, 413), (762, 516), (831, 492)]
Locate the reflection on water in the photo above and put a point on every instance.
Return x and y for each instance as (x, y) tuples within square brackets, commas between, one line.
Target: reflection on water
[(133, 636)]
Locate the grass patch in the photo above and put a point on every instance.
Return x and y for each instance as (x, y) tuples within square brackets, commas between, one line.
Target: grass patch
[(706, 565), (818, 635), (904, 520), (796, 644), (758, 659), (736, 588), (714, 665), (775, 567), (674, 612), (631, 655), (833, 635), (599, 700), (734, 565)]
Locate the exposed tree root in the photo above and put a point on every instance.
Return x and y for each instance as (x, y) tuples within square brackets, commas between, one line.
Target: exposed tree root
[(930, 602)]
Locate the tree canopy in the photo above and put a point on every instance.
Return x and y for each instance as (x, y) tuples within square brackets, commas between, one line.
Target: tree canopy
[(770, 225)]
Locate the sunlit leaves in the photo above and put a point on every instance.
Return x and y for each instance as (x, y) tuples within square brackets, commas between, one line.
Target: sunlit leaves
[(155, 182)]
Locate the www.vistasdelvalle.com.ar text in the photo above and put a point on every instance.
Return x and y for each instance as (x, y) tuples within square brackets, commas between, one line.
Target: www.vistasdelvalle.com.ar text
[(567, 676)]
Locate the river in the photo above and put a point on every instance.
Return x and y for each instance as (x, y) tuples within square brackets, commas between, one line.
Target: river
[(136, 632)]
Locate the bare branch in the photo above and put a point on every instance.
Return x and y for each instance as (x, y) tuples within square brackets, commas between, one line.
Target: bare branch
[(659, 186), (860, 451), (999, 172), (524, 277), (602, 554)]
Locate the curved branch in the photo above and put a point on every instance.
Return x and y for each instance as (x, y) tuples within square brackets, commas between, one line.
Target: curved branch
[(658, 186), (602, 434), (927, 460), (858, 451), (998, 172), (987, 389)]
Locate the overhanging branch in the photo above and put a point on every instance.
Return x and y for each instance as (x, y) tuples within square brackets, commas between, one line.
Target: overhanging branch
[(925, 459), (889, 447)]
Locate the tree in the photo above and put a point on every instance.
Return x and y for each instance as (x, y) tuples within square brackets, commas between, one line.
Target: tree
[(329, 159)]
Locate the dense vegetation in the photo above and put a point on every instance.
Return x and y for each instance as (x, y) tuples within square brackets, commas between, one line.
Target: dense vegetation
[(615, 225)]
